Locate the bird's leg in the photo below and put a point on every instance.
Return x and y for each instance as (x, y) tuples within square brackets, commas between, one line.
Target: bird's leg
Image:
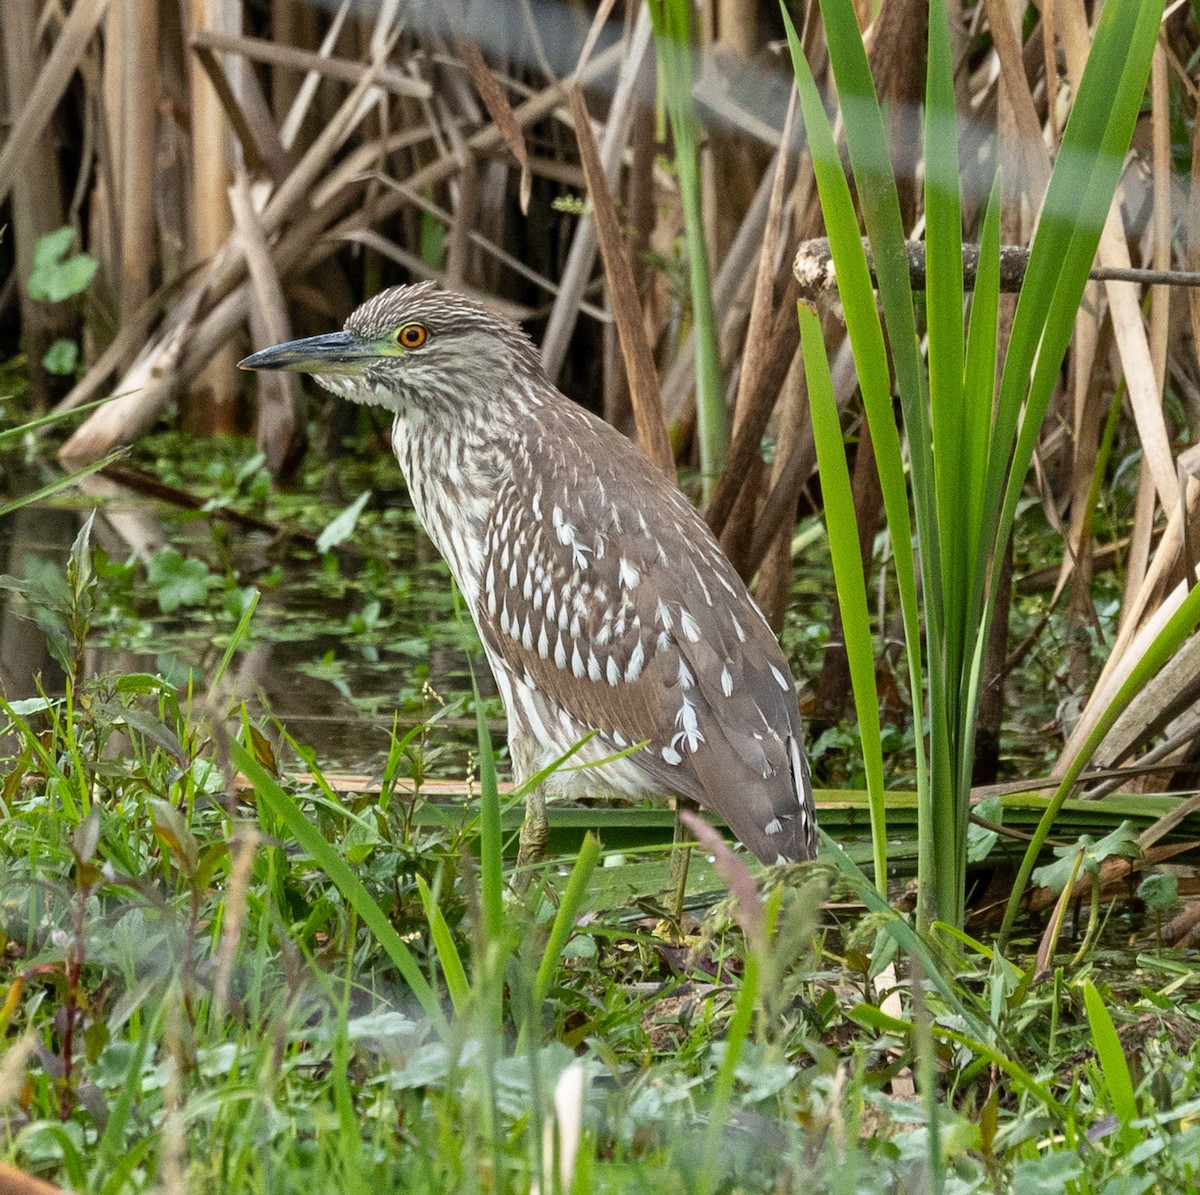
[(681, 857), (535, 832)]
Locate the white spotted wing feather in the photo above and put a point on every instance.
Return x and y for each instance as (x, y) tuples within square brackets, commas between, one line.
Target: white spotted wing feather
[(603, 589)]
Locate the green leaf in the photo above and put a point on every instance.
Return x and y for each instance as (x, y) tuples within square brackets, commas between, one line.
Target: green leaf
[(491, 848), (249, 603), (447, 951), (1090, 160), (671, 21), (871, 361), (979, 383), (428, 1066), (341, 527), (113, 1143), (432, 238), (59, 484), (944, 320), (842, 529), (1122, 842), (50, 249), (80, 576), (172, 830), (9, 434), (1048, 1174), (86, 837), (1113, 1063), (179, 580), (1056, 876), (61, 357), (980, 839), (55, 276), (722, 1087), (904, 935), (34, 592), (32, 705), (152, 728), (1158, 891), (871, 1017)]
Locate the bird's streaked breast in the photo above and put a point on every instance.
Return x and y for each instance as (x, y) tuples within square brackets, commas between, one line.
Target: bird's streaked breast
[(451, 481)]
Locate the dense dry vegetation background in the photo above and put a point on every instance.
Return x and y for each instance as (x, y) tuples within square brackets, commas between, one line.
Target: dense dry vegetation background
[(181, 180)]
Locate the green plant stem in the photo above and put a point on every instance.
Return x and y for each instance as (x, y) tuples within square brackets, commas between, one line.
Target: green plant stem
[(1093, 923), (671, 21)]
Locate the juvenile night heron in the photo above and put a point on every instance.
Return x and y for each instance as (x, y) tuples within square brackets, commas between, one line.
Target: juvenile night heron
[(603, 602)]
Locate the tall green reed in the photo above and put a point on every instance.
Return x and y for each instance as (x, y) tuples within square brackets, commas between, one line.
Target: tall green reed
[(673, 46), (969, 443)]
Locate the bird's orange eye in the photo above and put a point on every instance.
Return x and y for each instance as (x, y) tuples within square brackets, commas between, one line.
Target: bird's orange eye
[(412, 336)]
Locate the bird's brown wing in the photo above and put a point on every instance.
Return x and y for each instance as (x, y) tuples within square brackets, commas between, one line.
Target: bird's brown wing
[(604, 592)]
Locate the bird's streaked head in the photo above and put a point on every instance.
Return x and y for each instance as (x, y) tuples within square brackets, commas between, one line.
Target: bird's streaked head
[(414, 347)]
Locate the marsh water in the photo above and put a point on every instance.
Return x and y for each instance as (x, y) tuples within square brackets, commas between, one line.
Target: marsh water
[(343, 644)]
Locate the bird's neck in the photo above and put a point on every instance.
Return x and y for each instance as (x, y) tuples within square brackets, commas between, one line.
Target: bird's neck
[(453, 474)]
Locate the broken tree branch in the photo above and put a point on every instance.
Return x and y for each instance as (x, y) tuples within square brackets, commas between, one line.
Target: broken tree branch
[(815, 272)]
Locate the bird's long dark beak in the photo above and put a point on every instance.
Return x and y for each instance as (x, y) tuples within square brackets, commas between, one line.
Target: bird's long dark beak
[(335, 352)]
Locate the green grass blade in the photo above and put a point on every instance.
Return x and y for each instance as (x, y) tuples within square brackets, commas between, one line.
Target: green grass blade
[(944, 321), (113, 1142), (443, 942), (941, 829), (349, 1135), (491, 846), (870, 1016), (944, 561), (844, 546), (870, 155), (671, 21), (269, 793), (1113, 1062), (567, 915), (904, 935), (735, 1040), (564, 761), (61, 483), (1022, 1080), (117, 1179), (978, 397), (12, 434), (1085, 175), (237, 638), (980, 373), (1081, 188)]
